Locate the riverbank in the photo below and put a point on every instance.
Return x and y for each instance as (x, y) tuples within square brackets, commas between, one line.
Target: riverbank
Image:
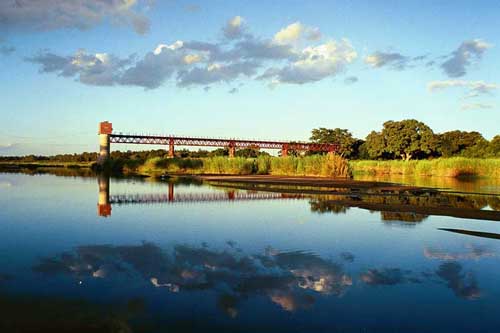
[(440, 167), (316, 165), (313, 182), (35, 165), (395, 201)]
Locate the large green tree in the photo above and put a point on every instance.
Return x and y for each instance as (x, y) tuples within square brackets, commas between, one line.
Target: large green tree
[(375, 145), (457, 142), (337, 135), (405, 139), (494, 146), (408, 138)]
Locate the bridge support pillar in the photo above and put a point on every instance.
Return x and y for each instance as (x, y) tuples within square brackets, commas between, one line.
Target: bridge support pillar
[(103, 205), (284, 150), (170, 192), (232, 149), (105, 129), (171, 148)]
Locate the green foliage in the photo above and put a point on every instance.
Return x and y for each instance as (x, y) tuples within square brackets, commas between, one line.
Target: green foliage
[(219, 152), (228, 166), (454, 143), (494, 147), (159, 165), (408, 138), (375, 145), (341, 136), (250, 153), (329, 165), (442, 167), (263, 164)]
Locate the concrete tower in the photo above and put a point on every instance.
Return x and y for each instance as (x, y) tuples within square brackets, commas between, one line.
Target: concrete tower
[(105, 129)]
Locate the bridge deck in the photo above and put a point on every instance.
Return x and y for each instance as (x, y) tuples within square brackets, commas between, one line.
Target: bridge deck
[(218, 142)]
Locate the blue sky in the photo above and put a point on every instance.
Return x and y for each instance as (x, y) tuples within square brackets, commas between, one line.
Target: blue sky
[(251, 69)]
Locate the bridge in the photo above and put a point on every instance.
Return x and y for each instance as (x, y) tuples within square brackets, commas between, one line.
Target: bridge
[(106, 137)]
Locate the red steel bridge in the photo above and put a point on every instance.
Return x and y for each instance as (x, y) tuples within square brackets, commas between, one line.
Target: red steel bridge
[(107, 137)]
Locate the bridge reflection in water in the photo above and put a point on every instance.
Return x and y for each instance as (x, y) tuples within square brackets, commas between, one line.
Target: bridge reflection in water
[(106, 200), (393, 205)]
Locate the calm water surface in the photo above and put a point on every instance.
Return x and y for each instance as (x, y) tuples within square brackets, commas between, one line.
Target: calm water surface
[(190, 257)]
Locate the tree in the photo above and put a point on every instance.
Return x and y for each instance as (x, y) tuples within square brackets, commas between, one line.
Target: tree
[(408, 138), (248, 152), (359, 150), (341, 136), (219, 152), (375, 145), (494, 146), (456, 142)]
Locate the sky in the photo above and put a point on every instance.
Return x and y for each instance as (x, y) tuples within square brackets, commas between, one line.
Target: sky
[(242, 69)]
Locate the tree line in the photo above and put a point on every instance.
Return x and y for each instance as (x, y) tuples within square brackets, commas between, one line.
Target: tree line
[(405, 139), (408, 139)]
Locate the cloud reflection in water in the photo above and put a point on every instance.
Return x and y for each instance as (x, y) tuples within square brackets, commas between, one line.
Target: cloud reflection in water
[(289, 279)]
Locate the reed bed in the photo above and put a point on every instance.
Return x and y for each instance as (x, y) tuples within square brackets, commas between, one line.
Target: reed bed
[(316, 165), (439, 167)]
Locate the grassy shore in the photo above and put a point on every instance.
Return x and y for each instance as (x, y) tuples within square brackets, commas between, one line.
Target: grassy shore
[(44, 164), (316, 165), (327, 166), (439, 167)]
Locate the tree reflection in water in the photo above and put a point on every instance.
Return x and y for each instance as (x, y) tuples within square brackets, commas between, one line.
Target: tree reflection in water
[(410, 209)]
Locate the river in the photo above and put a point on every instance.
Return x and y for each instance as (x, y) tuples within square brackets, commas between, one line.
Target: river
[(131, 254)]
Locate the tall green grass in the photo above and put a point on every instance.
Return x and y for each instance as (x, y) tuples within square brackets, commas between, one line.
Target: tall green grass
[(228, 166), (440, 167), (316, 165), (159, 165)]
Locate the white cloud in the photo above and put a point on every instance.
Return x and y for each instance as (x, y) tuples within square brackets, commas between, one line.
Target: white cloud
[(234, 28), (190, 63), (41, 15), (290, 33), (395, 61), (315, 63), (94, 69), (177, 45), (474, 88), (468, 52), (475, 106), (216, 73), (296, 31), (192, 58)]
